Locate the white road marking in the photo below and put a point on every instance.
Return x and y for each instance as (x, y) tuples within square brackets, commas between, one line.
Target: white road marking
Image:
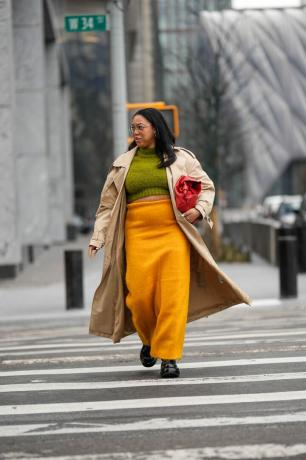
[(234, 452), (137, 368), (251, 452), (69, 386), (126, 343), (64, 428), (89, 348), (144, 403), (95, 348), (82, 333), (68, 359), (137, 347)]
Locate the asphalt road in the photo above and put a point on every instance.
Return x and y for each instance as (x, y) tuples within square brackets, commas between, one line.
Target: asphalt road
[(241, 395)]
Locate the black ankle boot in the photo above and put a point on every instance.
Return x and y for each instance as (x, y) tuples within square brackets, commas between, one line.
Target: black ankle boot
[(169, 369), (146, 359)]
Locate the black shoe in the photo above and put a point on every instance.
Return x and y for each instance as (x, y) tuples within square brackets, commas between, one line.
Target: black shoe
[(146, 359), (169, 369)]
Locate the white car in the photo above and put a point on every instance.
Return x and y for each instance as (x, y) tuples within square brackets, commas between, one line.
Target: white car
[(283, 208)]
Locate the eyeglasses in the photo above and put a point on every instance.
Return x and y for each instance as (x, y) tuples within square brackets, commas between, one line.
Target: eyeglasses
[(138, 127)]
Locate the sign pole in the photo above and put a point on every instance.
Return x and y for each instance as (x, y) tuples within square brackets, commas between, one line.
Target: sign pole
[(118, 79), (99, 23)]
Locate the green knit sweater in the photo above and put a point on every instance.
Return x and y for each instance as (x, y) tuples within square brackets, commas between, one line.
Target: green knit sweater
[(144, 178)]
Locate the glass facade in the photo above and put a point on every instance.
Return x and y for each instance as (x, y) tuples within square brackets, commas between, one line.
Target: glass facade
[(263, 67), (179, 31), (177, 26)]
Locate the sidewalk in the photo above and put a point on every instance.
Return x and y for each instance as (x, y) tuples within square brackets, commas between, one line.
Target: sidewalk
[(39, 291), (260, 280)]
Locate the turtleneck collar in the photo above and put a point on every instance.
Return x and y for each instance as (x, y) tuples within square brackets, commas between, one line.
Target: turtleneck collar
[(145, 152)]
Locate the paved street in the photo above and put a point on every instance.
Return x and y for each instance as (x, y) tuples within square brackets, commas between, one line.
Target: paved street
[(241, 394)]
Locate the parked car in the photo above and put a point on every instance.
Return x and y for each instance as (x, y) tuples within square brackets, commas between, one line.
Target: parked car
[(270, 205), (283, 208)]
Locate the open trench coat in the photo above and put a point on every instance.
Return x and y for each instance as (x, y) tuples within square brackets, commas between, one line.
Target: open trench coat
[(211, 290)]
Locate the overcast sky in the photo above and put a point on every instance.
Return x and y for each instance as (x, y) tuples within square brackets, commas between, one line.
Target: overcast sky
[(265, 3)]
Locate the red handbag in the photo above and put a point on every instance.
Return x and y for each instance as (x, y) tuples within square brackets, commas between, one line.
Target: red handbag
[(187, 191)]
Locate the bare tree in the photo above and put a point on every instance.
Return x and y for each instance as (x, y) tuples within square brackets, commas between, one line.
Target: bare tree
[(212, 125), (211, 122)]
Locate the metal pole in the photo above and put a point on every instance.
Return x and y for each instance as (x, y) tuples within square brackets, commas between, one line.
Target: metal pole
[(74, 279), (301, 233), (118, 78), (288, 266)]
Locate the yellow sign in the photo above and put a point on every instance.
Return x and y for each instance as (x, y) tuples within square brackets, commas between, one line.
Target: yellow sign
[(170, 113)]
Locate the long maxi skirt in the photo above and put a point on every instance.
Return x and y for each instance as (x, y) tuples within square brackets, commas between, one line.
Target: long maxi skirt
[(157, 276)]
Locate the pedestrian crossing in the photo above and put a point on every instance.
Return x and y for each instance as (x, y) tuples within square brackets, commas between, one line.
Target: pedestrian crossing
[(144, 403), (68, 386), (229, 452), (235, 386), (39, 429), (134, 345), (135, 368)]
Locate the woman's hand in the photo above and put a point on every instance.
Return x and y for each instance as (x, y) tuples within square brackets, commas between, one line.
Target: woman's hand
[(192, 215), (92, 250)]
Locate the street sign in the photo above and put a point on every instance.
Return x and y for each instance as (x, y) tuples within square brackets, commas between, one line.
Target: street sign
[(86, 23)]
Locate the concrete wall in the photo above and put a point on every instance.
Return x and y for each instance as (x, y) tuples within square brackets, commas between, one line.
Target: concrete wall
[(66, 143), (59, 156), (56, 163), (10, 251), (36, 180), (30, 122), (140, 51)]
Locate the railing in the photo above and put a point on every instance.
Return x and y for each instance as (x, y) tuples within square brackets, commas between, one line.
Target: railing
[(260, 235)]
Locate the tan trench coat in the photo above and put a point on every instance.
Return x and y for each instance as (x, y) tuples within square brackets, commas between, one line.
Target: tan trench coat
[(211, 290)]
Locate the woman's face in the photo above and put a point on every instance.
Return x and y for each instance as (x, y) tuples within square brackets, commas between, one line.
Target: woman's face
[(143, 132)]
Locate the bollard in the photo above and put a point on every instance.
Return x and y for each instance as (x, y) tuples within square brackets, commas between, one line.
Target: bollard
[(74, 279), (287, 259), (301, 250), (31, 253), (71, 232)]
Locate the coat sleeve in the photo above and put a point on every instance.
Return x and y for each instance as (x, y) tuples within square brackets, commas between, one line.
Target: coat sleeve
[(206, 198), (103, 213)]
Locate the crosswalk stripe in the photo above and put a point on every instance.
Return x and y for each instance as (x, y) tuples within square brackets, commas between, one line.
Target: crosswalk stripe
[(137, 368), (63, 386), (89, 348), (144, 403), (95, 348), (234, 452), (126, 343), (83, 335), (52, 428), (249, 451)]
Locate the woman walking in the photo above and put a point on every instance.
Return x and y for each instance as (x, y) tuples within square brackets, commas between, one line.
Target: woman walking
[(157, 272)]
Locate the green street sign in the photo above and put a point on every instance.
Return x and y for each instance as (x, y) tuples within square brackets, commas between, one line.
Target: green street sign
[(86, 23)]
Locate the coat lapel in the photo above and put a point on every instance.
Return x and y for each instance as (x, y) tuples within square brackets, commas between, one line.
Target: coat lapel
[(122, 164)]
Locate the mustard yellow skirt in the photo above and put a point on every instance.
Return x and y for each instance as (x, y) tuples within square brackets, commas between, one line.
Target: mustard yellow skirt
[(157, 276)]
